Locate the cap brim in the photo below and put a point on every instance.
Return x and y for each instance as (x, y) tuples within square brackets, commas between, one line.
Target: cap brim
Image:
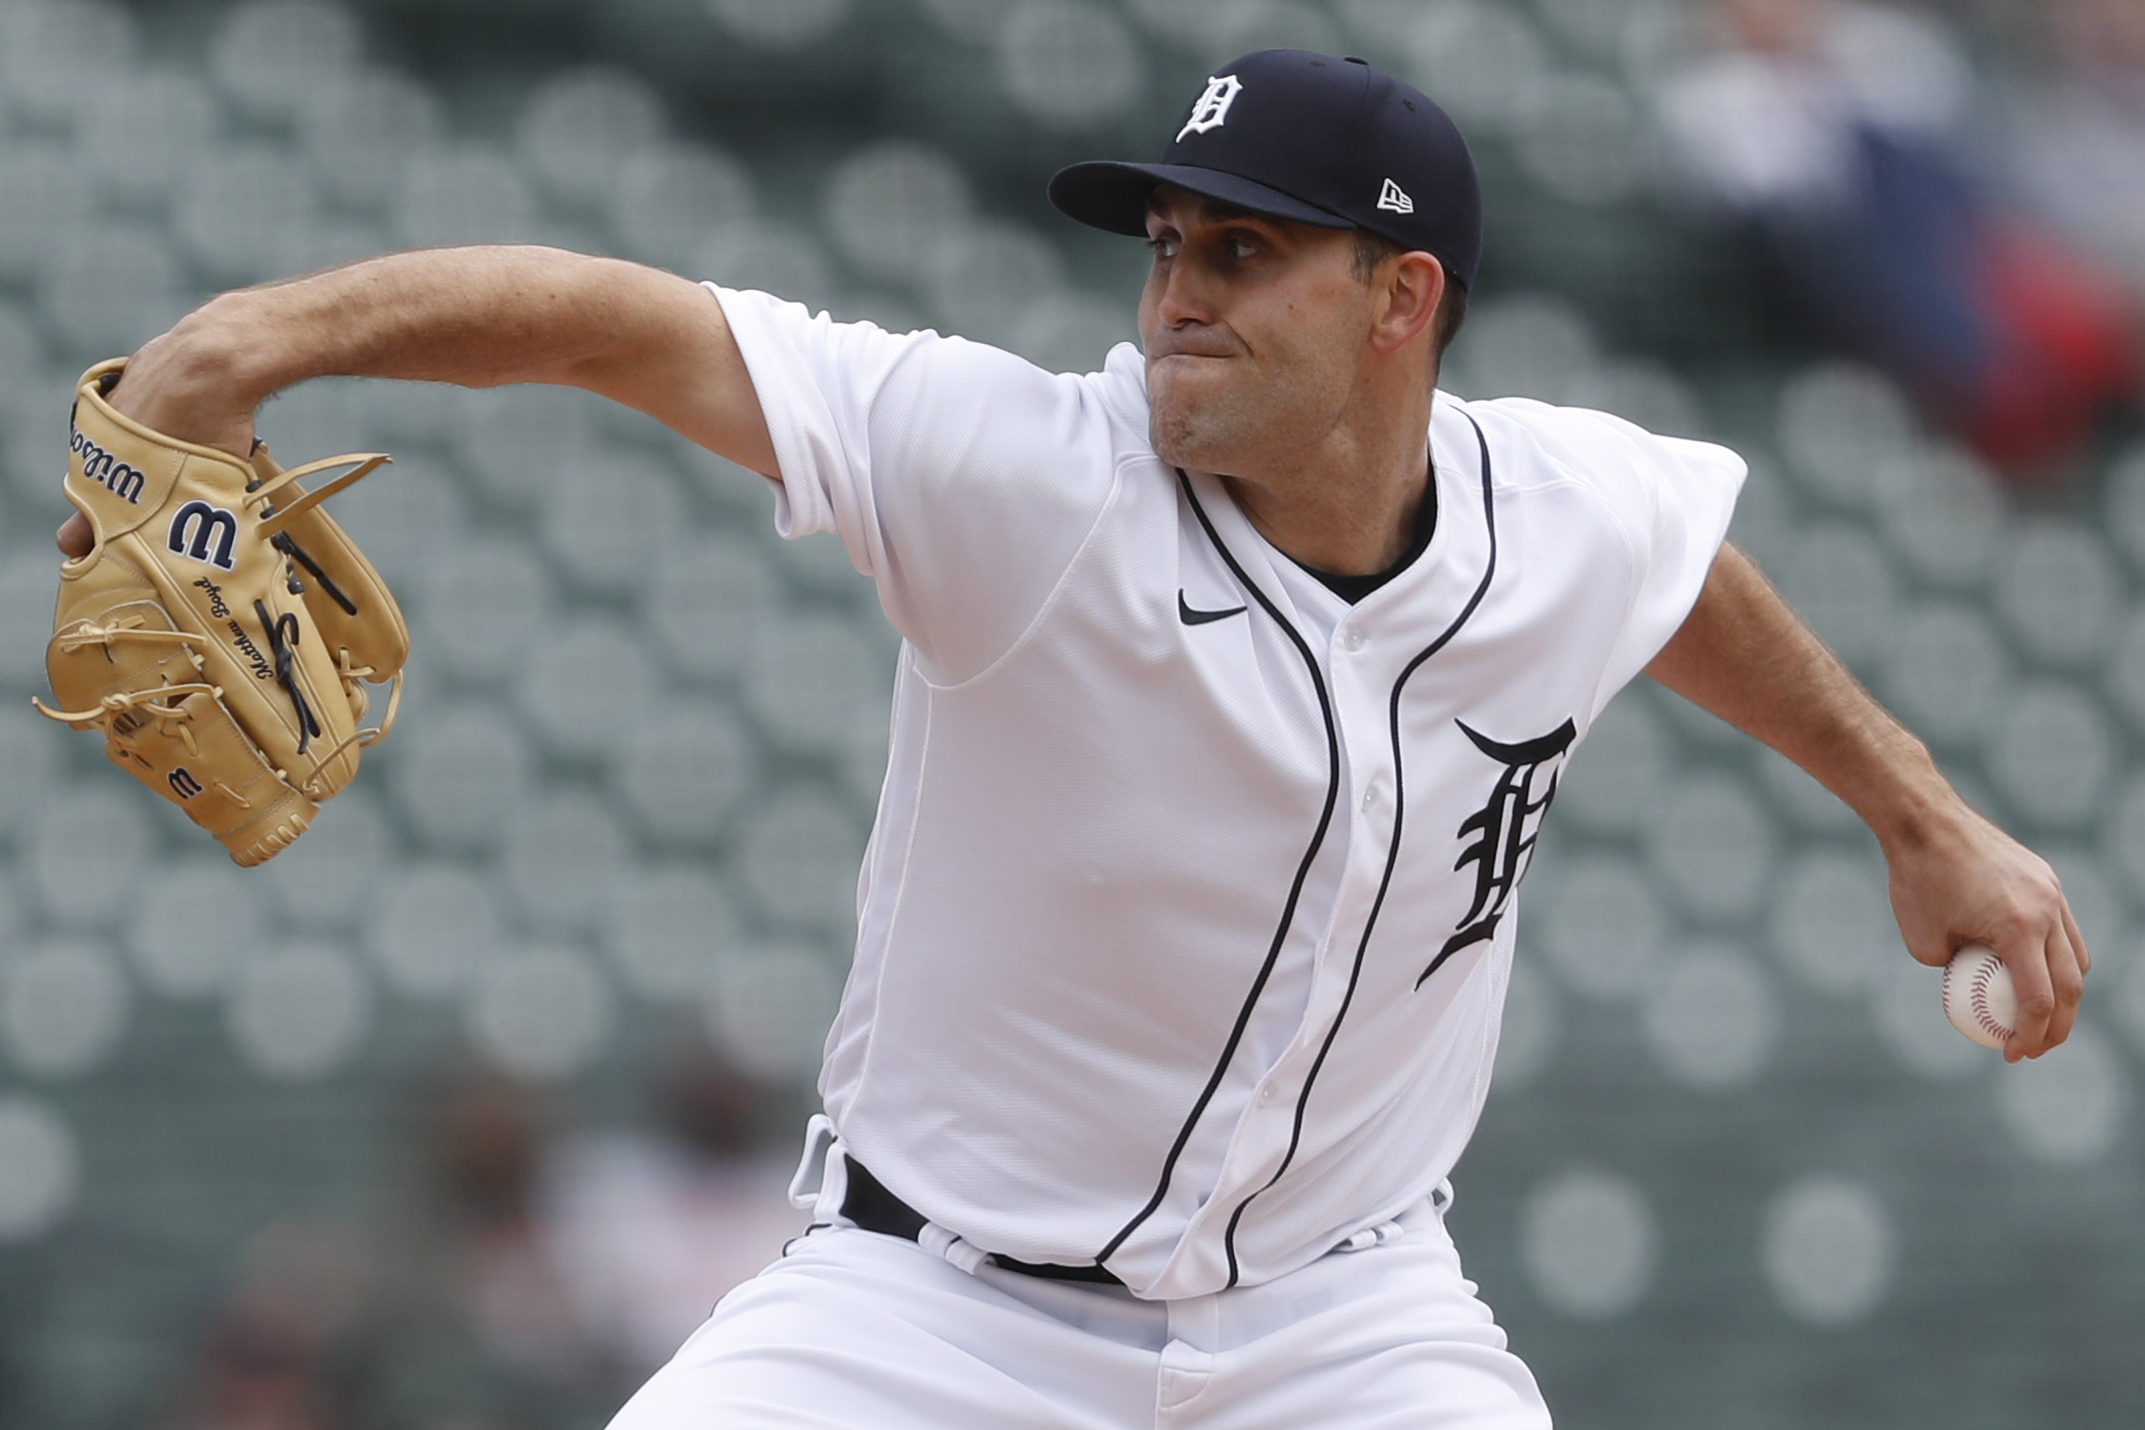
[(1113, 196)]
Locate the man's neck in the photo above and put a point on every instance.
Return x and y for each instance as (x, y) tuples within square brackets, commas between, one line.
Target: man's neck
[(1349, 510)]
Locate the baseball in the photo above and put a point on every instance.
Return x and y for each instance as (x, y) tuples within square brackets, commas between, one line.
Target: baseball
[(1978, 996)]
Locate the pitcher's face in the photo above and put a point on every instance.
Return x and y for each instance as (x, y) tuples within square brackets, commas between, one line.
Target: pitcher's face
[(1254, 328)]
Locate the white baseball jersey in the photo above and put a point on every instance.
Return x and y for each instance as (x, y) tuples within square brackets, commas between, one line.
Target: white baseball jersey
[(1185, 925)]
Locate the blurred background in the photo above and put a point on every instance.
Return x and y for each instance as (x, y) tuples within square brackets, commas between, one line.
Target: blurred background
[(458, 1115)]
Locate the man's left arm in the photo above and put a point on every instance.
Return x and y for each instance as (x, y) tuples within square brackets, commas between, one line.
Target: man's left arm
[(1955, 877)]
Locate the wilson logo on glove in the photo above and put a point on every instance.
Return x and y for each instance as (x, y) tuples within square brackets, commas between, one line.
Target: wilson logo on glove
[(101, 467), (193, 527), (240, 699)]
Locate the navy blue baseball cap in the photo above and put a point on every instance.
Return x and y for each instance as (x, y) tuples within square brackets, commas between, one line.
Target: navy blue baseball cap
[(1291, 134)]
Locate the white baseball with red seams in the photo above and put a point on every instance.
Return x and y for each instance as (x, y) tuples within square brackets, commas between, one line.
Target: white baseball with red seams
[(1979, 997)]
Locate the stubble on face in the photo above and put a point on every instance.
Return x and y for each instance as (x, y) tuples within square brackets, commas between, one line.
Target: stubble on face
[(1266, 367), (1203, 412)]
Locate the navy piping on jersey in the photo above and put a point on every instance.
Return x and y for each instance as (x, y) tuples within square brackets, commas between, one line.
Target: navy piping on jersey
[(1295, 893), (1392, 858)]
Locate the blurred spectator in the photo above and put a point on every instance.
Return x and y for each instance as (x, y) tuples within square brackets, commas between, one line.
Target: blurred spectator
[(518, 1283), (474, 1328), (650, 1228), (447, 1315), (2079, 129), (271, 1357), (1834, 133)]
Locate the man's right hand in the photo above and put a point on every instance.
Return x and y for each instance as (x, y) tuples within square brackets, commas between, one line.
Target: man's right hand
[(170, 386), (180, 384)]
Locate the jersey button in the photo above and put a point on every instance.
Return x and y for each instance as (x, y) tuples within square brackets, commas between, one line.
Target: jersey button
[(1370, 797), (1353, 638), (1266, 1095)]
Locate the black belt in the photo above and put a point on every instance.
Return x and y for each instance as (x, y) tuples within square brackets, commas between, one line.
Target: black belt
[(871, 1206)]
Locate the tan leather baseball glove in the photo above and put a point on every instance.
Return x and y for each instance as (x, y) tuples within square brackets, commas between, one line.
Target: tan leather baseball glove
[(222, 629)]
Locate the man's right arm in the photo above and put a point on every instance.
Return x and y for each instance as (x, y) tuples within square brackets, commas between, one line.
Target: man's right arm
[(476, 317), (1955, 877)]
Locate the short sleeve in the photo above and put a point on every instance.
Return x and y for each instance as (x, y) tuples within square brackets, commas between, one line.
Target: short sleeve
[(1673, 499), (961, 479), (1665, 503)]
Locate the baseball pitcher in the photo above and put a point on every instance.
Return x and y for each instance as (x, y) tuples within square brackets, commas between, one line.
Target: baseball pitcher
[(1236, 682)]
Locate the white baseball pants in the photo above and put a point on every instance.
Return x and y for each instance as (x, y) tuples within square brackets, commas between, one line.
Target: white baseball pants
[(853, 1330)]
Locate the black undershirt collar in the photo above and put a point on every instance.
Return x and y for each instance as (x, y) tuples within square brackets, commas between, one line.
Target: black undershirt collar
[(1354, 588)]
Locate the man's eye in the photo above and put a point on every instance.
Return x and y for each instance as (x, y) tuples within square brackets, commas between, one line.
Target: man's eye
[(1241, 248), (1163, 247)]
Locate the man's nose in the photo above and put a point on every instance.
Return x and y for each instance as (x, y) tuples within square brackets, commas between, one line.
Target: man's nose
[(1183, 298)]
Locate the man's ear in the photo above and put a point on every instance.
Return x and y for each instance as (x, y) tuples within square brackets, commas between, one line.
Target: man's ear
[(1410, 286)]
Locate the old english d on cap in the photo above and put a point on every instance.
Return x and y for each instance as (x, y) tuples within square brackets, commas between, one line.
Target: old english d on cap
[(1291, 134)]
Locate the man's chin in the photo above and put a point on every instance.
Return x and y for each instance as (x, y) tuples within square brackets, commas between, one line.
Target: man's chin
[(1174, 444), (1183, 434)]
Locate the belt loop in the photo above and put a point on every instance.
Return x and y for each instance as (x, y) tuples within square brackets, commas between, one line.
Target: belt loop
[(941, 1242), (1370, 1236), (819, 1142)]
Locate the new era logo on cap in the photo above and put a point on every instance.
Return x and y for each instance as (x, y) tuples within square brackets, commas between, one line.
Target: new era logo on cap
[(1395, 198)]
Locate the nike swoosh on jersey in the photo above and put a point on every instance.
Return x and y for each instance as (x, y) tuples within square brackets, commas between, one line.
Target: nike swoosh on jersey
[(1191, 617)]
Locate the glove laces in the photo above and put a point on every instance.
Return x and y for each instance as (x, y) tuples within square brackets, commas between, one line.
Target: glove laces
[(160, 704)]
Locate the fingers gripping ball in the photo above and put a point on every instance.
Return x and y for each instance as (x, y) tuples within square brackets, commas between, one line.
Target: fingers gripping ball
[(222, 630), (1979, 997)]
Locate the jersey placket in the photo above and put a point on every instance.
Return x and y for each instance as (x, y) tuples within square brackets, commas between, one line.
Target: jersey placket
[(1366, 661), (1357, 671)]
